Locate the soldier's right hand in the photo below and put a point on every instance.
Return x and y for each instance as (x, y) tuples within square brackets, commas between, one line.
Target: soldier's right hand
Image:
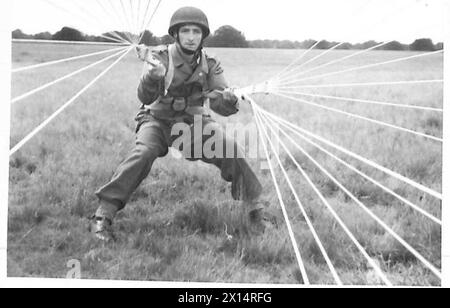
[(142, 52), (156, 71), (154, 68)]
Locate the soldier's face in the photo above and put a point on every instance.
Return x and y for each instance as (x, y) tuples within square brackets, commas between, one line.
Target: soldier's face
[(190, 37)]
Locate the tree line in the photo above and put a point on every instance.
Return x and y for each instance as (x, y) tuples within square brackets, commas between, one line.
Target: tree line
[(229, 37)]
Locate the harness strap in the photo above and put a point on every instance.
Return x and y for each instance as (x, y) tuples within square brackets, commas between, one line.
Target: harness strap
[(171, 69), (205, 68)]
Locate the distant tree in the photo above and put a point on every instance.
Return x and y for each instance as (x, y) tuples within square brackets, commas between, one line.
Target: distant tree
[(18, 34), (439, 46), (115, 34), (308, 44), (395, 45), (325, 44), (271, 43), (370, 44), (345, 46), (43, 36), (366, 45), (95, 38), (167, 40), (227, 36), (424, 44), (286, 44), (298, 45), (256, 44), (68, 34), (149, 39)]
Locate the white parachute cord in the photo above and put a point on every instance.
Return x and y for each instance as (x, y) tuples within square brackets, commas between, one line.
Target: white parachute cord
[(94, 20), (365, 101), (354, 69), (122, 19), (139, 18), (334, 61), (372, 263), (431, 267), (69, 13), (118, 39), (356, 156), (115, 40), (28, 94), (311, 60), (275, 80), (114, 15), (134, 9), (288, 68), (305, 215), (283, 207), (40, 65), (19, 145), (127, 16), (144, 19), (376, 24), (412, 205), (362, 84), (271, 87), (353, 115), (68, 42), (133, 17), (106, 11), (151, 18), (289, 71)]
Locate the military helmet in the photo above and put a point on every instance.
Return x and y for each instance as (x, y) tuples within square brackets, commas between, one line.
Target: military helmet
[(189, 15)]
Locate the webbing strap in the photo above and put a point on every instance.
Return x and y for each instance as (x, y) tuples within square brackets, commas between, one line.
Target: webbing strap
[(170, 70), (205, 69)]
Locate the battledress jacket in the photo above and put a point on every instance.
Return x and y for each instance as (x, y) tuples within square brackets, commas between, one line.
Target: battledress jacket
[(189, 80)]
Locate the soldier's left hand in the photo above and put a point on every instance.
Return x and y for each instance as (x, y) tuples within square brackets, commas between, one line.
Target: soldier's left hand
[(229, 96)]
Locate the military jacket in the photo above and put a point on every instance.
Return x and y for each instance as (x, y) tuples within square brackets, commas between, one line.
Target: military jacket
[(189, 81)]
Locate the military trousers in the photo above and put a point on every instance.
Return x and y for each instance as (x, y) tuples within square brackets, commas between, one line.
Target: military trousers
[(153, 139)]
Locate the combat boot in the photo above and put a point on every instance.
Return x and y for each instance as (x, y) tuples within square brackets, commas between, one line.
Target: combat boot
[(258, 223), (101, 223), (102, 229), (260, 220)]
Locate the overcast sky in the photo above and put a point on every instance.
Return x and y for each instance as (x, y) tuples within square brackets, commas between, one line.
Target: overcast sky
[(338, 20)]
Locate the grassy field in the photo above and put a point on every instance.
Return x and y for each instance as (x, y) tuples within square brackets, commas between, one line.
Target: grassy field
[(174, 227)]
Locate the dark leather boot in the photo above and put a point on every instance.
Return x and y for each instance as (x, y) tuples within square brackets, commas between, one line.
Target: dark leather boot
[(102, 229)]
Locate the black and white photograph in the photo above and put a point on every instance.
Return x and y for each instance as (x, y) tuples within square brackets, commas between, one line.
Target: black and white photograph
[(259, 143)]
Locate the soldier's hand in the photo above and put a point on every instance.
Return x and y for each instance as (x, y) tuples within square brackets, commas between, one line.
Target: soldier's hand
[(142, 52), (156, 71), (227, 96), (230, 97), (154, 68)]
